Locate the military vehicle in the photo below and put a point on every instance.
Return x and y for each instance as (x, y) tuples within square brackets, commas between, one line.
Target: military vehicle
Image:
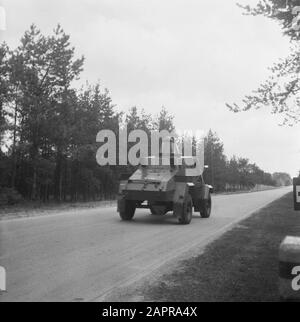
[(176, 187)]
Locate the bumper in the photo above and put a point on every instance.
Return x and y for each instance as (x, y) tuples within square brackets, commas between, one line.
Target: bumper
[(147, 195)]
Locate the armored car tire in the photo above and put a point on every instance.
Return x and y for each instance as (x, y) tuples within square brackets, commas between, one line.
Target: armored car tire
[(205, 209), (186, 214), (128, 210)]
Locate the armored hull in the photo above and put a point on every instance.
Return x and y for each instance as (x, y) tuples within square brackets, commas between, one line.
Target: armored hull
[(162, 189)]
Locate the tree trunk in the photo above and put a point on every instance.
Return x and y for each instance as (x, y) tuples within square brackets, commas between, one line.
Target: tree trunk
[(14, 155), (34, 177), (34, 158), (58, 175)]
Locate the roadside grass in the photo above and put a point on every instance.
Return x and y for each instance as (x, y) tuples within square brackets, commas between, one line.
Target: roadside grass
[(242, 265), (38, 208), (32, 209)]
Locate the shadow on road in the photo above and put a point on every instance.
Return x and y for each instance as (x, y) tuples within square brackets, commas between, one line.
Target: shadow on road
[(148, 219)]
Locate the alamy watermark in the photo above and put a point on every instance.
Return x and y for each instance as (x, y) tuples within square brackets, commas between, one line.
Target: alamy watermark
[(153, 148), (2, 279), (296, 280)]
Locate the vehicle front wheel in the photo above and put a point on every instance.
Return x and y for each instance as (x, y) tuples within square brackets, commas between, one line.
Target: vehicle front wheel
[(187, 212), (206, 208), (128, 211)]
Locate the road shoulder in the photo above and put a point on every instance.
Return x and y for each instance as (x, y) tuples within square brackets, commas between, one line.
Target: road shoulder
[(31, 209), (242, 265)]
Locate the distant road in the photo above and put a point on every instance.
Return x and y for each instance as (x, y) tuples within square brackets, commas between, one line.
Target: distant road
[(81, 256)]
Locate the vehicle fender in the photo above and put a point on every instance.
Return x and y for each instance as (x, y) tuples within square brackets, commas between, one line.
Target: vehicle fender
[(206, 191)]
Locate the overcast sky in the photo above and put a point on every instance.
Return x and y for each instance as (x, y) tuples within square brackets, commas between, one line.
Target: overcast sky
[(191, 56)]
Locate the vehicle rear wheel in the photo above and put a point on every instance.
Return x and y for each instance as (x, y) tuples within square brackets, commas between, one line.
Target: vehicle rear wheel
[(129, 210), (187, 212), (206, 208)]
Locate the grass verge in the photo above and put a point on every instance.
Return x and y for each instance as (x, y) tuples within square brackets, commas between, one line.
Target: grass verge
[(31, 209), (240, 266)]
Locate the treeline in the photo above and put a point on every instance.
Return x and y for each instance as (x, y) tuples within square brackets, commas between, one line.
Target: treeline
[(48, 128), (236, 173)]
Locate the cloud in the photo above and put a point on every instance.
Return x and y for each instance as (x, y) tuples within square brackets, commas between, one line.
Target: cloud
[(2, 18)]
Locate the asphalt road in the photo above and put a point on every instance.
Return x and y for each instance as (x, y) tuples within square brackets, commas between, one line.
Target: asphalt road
[(81, 256)]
